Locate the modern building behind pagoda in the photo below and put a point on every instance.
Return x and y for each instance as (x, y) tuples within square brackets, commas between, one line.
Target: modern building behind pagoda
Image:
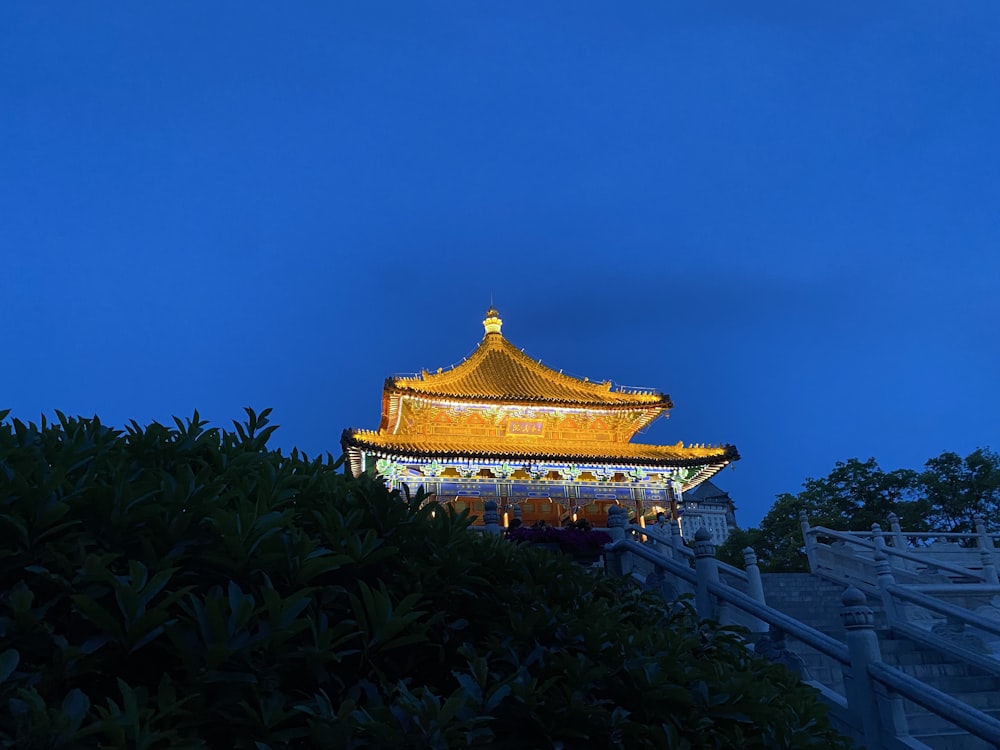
[(546, 446)]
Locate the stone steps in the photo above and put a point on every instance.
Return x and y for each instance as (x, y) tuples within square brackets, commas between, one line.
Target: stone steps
[(955, 739), (924, 723), (816, 602)]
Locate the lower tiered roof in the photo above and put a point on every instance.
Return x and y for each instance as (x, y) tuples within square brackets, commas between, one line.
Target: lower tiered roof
[(529, 449)]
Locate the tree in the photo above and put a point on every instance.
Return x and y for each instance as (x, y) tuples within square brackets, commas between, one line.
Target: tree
[(958, 489), (945, 496), (857, 494), (854, 495)]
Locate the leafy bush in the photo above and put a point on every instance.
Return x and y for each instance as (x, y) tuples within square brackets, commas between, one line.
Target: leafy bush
[(186, 587)]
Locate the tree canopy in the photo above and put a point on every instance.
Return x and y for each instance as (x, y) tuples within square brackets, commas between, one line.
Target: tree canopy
[(184, 587), (945, 496)]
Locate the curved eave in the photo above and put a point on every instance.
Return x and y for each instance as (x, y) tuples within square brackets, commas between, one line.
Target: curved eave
[(707, 472), (663, 402), (718, 459)]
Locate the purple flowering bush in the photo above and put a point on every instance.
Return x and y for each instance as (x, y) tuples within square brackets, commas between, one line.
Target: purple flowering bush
[(570, 540)]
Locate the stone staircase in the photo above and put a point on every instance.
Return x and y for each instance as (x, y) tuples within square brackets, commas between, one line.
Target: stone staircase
[(815, 602)]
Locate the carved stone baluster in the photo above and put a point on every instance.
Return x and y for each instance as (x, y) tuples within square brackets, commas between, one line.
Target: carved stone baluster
[(898, 540), (707, 570), (621, 563), (491, 517), (810, 540), (989, 568), (984, 539), (879, 539), (987, 552), (884, 578), (677, 541), (755, 587), (863, 648)]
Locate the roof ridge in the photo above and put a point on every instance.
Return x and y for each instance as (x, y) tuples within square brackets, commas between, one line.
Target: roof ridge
[(498, 369), (519, 354)]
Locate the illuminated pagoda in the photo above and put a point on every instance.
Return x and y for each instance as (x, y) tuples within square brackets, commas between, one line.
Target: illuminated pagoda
[(546, 446)]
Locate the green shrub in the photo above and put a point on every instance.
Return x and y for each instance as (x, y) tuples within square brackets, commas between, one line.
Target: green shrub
[(186, 587)]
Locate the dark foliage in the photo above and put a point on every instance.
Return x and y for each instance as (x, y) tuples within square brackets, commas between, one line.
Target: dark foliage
[(185, 587)]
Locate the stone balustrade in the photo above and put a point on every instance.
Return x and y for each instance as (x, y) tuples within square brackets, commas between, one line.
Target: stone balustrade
[(870, 708)]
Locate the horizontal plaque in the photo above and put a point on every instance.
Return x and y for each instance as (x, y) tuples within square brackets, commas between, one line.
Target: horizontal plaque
[(592, 492), (471, 489), (525, 426), (519, 490)]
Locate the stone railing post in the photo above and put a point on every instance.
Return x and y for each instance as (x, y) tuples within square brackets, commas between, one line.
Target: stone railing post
[(898, 539), (989, 567), (863, 649), (491, 517), (656, 580), (898, 542), (676, 540), (984, 540), (661, 547), (879, 540), (618, 564), (987, 551), (755, 587), (810, 540), (616, 523), (884, 579), (707, 571)]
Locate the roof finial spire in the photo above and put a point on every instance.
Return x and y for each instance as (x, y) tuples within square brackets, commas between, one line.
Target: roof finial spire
[(492, 323)]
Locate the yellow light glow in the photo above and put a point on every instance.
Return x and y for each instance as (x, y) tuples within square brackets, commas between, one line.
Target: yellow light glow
[(506, 520)]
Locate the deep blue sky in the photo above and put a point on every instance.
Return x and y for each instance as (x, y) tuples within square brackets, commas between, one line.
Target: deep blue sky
[(784, 215)]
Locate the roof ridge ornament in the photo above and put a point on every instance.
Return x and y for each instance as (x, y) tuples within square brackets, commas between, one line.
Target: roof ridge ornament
[(492, 323)]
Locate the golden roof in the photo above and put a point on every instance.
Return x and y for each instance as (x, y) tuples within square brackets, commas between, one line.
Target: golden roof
[(434, 446), (499, 371)]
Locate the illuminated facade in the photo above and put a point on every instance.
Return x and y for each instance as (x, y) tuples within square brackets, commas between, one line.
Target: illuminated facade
[(708, 507), (546, 446)]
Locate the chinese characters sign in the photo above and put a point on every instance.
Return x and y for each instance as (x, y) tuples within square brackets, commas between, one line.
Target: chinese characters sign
[(525, 426)]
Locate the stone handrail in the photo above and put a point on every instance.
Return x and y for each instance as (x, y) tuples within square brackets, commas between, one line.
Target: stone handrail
[(681, 550), (943, 608), (950, 637), (868, 711), (812, 544), (942, 645), (962, 535), (682, 571), (820, 641), (953, 640), (975, 722), (661, 537)]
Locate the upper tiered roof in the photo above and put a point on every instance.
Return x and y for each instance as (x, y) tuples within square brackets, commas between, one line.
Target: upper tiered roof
[(498, 371)]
